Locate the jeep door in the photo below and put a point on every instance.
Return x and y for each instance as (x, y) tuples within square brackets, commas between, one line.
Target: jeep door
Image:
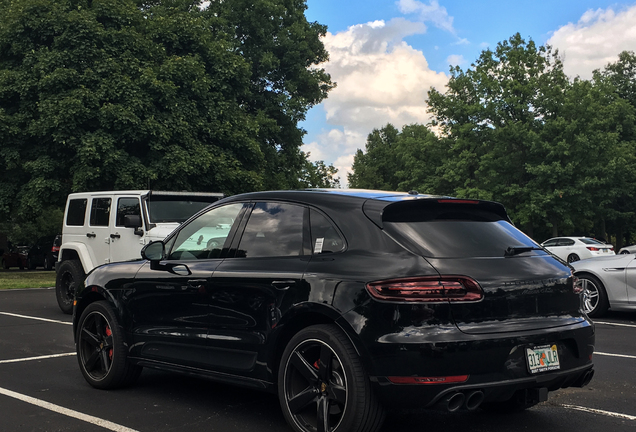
[(98, 231), (125, 245)]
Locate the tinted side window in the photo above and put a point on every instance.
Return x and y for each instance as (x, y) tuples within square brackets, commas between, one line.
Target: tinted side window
[(566, 242), (324, 236), (273, 229), (100, 211), (205, 236), (127, 207), (76, 212)]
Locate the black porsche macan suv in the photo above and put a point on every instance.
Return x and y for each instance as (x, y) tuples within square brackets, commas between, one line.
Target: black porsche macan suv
[(344, 303)]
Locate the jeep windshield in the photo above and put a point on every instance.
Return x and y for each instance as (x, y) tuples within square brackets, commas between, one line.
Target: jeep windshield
[(178, 207)]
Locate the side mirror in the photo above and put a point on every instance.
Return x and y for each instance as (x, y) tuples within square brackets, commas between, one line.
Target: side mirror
[(154, 251), (132, 221)]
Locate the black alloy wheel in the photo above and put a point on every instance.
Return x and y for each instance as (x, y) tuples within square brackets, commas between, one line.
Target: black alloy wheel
[(69, 277), (573, 257), (100, 349), (323, 386)]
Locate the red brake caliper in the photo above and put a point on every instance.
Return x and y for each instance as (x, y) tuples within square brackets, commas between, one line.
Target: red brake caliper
[(110, 351)]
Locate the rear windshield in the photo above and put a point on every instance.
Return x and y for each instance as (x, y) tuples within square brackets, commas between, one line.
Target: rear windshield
[(592, 241), (456, 232)]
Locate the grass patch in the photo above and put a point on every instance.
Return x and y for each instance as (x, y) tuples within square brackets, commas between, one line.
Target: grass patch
[(16, 279)]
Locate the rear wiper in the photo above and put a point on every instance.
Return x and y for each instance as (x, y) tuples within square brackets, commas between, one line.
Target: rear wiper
[(516, 250)]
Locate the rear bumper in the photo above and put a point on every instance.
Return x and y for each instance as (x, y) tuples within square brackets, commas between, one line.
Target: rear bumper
[(437, 360), (425, 396)]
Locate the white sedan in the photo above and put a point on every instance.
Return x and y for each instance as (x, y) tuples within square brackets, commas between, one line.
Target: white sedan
[(572, 249), (607, 283), (628, 250)]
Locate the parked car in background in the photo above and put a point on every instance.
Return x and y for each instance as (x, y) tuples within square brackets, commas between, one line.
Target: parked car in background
[(609, 283), (572, 249), (44, 252), (344, 303), (628, 250), (112, 226), (15, 257)]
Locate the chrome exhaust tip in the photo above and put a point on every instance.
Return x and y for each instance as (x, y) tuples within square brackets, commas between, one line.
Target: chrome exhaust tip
[(474, 399)]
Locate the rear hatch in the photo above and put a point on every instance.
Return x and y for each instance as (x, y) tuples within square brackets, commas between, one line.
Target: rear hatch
[(524, 287)]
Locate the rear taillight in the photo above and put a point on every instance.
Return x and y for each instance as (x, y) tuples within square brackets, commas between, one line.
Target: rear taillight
[(427, 289), (593, 249), (55, 249), (577, 285)]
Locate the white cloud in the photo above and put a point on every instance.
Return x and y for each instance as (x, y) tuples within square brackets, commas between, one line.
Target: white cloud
[(381, 79), (596, 40), (455, 60), (430, 11), (337, 147)]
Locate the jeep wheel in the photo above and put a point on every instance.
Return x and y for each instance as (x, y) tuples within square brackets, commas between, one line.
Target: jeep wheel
[(69, 277)]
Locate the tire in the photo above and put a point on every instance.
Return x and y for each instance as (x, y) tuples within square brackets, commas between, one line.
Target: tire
[(573, 257), (625, 252), (47, 264), (69, 277), (322, 385), (30, 264), (5, 265), (101, 349), (594, 297)]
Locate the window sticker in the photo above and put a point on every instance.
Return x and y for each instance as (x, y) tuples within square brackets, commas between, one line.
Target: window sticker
[(318, 246)]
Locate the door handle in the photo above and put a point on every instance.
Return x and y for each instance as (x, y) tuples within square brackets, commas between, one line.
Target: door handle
[(283, 284), (197, 283), (91, 235), (114, 236)]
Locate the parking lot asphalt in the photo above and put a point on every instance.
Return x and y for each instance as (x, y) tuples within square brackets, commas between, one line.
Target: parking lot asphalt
[(42, 389)]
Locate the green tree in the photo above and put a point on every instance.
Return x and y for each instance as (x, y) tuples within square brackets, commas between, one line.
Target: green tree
[(518, 131), (421, 156), (492, 115), (281, 48), (317, 175), (620, 215), (377, 166), (115, 94)]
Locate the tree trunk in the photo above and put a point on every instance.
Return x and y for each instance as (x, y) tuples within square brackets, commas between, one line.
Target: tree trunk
[(603, 230), (529, 230), (555, 229)]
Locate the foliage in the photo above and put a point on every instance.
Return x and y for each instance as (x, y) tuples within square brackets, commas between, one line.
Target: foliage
[(559, 154), (377, 167), (123, 94), (317, 175)]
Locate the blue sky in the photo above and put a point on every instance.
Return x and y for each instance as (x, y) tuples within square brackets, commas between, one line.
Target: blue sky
[(386, 54)]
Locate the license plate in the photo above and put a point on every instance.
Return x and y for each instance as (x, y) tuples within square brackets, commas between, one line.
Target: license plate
[(542, 359)]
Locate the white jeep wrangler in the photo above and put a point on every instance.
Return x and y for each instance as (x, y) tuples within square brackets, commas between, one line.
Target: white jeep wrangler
[(105, 227)]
